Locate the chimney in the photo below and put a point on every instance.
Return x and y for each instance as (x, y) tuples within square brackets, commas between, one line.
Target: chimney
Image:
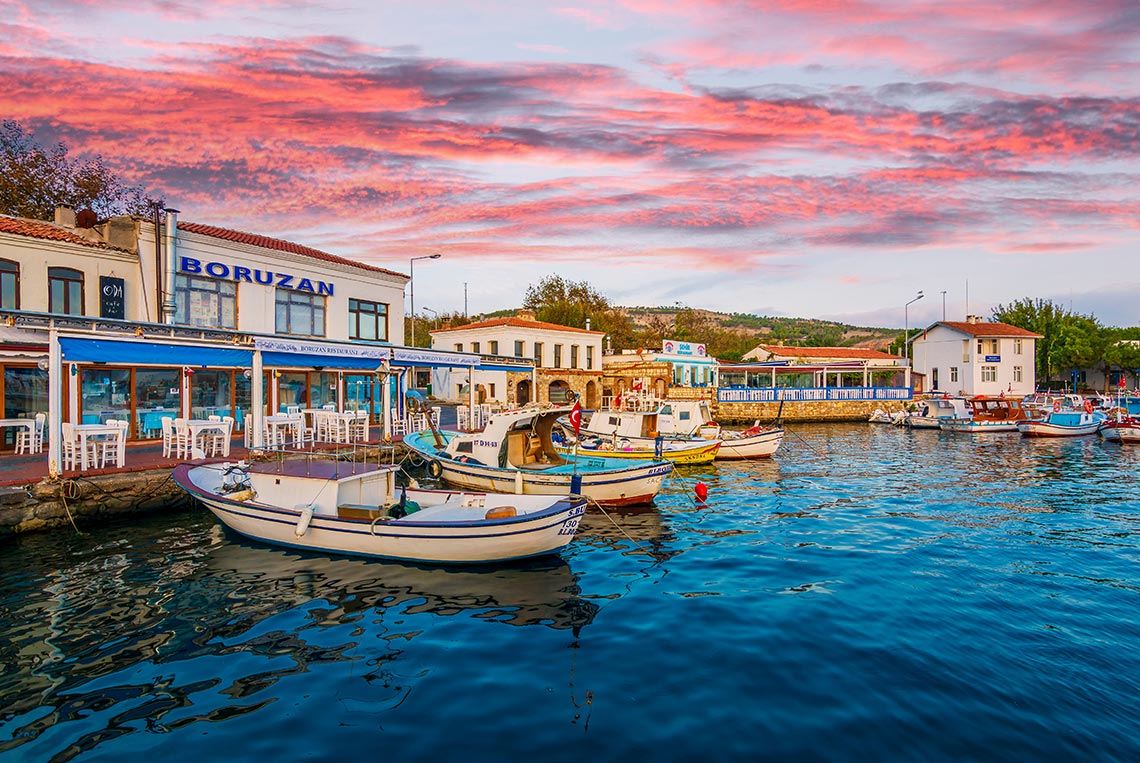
[(587, 324), (65, 217), (122, 233)]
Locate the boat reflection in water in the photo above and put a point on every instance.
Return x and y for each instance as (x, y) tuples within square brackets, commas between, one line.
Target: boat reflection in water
[(165, 626)]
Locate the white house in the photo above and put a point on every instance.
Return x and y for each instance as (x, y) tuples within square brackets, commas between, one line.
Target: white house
[(976, 357), (564, 357)]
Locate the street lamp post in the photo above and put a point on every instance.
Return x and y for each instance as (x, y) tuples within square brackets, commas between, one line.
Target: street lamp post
[(412, 288), (906, 326)]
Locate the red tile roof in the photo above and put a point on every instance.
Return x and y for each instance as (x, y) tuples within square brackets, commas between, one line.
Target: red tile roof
[(50, 231), (989, 329), (852, 353), (253, 239), (513, 322)]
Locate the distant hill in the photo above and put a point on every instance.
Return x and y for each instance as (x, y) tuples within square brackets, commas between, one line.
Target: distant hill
[(730, 335)]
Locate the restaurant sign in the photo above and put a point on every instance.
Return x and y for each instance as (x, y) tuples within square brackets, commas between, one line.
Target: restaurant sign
[(221, 270), (673, 347), (320, 348)]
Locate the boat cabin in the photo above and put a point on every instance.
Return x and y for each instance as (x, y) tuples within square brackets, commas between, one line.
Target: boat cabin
[(988, 408), (520, 439)]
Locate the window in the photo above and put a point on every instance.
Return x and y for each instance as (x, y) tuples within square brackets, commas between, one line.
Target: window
[(538, 354), (300, 313), (1017, 373), (205, 302), (459, 346), (9, 285), (989, 373), (475, 347), (966, 351), (934, 378), (493, 348), (573, 356), (367, 320), (520, 349), (589, 357), (65, 291), (953, 373), (558, 356), (1016, 346)]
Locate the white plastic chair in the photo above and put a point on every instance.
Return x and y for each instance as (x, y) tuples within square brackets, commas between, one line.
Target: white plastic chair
[(113, 447), (167, 436), (31, 440), (70, 448), (183, 442)]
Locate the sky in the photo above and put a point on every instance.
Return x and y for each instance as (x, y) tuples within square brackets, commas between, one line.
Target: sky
[(804, 158)]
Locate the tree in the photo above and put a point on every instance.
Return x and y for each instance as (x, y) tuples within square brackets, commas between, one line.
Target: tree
[(1123, 353), (1069, 340), (570, 303), (34, 180)]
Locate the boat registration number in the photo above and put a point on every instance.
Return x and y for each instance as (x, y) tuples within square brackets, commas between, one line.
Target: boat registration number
[(573, 517), (486, 443)]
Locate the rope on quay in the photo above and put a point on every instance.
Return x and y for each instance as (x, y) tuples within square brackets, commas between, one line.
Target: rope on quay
[(65, 487)]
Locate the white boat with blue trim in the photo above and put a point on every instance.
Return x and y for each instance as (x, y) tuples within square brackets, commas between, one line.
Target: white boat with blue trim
[(1065, 423), (352, 508), (515, 453)]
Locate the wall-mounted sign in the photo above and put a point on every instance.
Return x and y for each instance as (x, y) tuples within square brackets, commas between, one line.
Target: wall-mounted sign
[(673, 347), (112, 297), (317, 348), (221, 270), (993, 358)]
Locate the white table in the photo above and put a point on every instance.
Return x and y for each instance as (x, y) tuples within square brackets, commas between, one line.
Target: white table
[(86, 431), (282, 422), (29, 424), (198, 426)]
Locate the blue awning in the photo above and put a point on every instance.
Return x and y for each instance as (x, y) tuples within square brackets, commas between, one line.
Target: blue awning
[(305, 360), (143, 353)]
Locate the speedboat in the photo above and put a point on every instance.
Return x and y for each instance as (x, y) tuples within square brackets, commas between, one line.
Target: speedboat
[(351, 508), (1065, 423), (515, 453)]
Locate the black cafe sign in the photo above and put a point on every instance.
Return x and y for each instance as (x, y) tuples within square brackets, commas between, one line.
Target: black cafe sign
[(192, 266), (112, 297)]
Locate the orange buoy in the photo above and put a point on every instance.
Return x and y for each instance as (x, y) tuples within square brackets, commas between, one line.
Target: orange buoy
[(501, 512), (702, 491)]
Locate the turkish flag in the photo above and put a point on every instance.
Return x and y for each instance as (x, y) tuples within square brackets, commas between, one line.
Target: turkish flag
[(576, 417), (637, 384)]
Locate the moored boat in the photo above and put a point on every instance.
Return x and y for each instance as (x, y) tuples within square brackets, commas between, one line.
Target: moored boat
[(933, 412), (1064, 423), (1121, 427), (356, 509), (988, 414), (755, 442), (674, 451), (515, 453)]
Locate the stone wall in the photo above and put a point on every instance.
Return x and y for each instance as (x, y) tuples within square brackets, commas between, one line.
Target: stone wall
[(813, 411), (53, 504)]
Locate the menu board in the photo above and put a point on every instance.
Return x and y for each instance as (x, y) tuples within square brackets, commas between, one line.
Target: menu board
[(112, 299)]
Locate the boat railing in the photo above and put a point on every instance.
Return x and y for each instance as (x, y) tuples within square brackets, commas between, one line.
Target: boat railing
[(353, 455)]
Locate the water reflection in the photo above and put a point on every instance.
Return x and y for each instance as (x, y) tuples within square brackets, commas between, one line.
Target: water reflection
[(117, 632)]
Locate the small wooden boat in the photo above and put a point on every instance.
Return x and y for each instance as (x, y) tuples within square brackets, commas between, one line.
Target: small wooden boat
[(347, 508), (755, 442), (674, 451), (1062, 422), (1121, 427), (515, 453), (933, 412), (988, 414)]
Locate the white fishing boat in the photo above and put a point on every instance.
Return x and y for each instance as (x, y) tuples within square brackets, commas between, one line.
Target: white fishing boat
[(683, 421), (675, 451), (1121, 427), (515, 453), (879, 416), (351, 508), (1065, 423), (933, 412)]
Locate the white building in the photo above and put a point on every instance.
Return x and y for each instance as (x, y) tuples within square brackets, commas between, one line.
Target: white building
[(119, 277), (976, 357), (563, 358)]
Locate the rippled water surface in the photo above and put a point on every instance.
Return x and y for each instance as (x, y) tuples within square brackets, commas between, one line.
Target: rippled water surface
[(870, 594)]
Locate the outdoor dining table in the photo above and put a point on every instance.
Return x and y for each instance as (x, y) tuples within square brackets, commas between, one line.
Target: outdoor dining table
[(86, 431), (280, 422), (198, 426), (29, 424)]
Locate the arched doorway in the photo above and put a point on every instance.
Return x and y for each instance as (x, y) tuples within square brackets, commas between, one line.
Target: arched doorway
[(660, 386), (558, 391), (523, 393), (591, 395)]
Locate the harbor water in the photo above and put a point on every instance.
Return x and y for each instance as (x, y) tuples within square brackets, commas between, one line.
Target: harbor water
[(869, 594)]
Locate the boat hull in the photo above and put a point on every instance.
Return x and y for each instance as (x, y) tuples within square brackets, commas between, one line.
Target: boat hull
[(1045, 429), (1121, 433), (761, 445), (978, 427), (697, 452), (448, 542), (626, 487)]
